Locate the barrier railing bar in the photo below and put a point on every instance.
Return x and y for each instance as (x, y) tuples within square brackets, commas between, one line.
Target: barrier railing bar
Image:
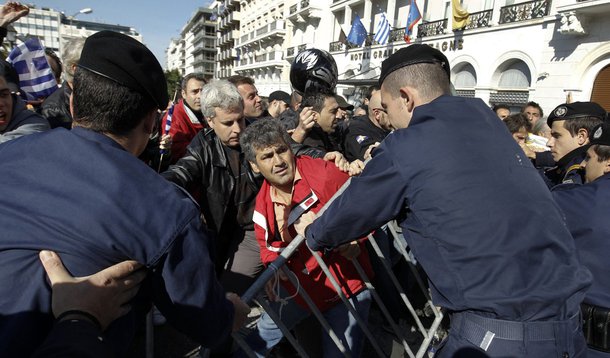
[(271, 270), (242, 343), (317, 313), (347, 304), (276, 318), (401, 291), (383, 308), (405, 254), (426, 343)]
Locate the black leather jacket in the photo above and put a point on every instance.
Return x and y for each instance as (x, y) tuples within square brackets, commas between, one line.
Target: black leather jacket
[(205, 167), (56, 107)]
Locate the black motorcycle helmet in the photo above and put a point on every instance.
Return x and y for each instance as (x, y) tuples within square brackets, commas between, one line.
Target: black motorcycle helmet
[(313, 69)]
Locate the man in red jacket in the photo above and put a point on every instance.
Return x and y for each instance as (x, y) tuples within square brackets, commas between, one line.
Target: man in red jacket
[(187, 119), (295, 189)]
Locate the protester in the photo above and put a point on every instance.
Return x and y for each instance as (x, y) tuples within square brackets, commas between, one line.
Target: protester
[(502, 111), (253, 108), (15, 119), (56, 107), (461, 210), (187, 119), (279, 101), (294, 190), (85, 194)]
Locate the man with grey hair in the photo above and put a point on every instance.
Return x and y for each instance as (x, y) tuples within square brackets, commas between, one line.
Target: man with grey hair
[(213, 167), (56, 107)]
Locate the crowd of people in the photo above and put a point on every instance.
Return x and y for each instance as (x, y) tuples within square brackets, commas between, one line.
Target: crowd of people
[(180, 200)]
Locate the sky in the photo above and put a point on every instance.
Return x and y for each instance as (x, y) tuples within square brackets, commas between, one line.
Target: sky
[(157, 21)]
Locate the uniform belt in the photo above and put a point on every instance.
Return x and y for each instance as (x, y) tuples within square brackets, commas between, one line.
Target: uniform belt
[(481, 331), (596, 326)]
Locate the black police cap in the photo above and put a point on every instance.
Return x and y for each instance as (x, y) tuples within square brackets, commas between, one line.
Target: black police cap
[(126, 61), (412, 55), (575, 110), (601, 134)]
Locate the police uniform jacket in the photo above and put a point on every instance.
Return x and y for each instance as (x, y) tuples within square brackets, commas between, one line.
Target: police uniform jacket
[(568, 169), (586, 209), (474, 211), (361, 133), (84, 196)]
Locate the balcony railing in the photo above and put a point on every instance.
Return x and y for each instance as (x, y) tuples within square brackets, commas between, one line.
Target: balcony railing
[(290, 52), (479, 19), (260, 58), (335, 46), (263, 30), (298, 7), (524, 11), (432, 28), (397, 35)]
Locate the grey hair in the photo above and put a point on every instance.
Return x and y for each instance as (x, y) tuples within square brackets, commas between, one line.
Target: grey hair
[(220, 94), (71, 56), (262, 134), (429, 79)]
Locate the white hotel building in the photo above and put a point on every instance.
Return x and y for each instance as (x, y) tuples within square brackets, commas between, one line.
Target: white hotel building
[(511, 52)]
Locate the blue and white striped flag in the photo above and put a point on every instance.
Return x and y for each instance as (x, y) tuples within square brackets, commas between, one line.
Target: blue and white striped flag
[(36, 79), (383, 30)]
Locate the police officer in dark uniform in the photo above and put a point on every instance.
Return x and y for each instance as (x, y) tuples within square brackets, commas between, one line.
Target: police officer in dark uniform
[(571, 125), (586, 209), (84, 194), (364, 131), (481, 223)]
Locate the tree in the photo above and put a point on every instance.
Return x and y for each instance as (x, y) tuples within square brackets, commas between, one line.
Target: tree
[(173, 79)]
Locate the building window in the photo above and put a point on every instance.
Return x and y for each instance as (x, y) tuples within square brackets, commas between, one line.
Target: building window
[(601, 88), (464, 80)]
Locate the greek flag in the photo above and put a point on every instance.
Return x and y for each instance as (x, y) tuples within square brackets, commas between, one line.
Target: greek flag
[(168, 124), (36, 79), (383, 31)]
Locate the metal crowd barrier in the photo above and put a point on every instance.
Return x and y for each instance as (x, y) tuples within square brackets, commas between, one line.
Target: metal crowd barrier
[(256, 294)]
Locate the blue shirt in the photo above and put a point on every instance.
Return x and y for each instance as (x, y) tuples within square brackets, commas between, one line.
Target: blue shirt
[(586, 208), (82, 195), (473, 209)]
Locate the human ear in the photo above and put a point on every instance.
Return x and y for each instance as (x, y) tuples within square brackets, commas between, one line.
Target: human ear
[(583, 136), (254, 167)]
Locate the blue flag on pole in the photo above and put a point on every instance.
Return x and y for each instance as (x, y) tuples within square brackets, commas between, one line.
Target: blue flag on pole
[(383, 31), (414, 17), (36, 79), (357, 34)]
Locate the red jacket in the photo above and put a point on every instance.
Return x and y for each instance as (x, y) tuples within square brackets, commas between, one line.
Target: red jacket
[(320, 180), (182, 130)]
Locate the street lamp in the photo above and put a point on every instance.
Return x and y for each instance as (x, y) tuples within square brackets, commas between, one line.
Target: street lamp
[(86, 10)]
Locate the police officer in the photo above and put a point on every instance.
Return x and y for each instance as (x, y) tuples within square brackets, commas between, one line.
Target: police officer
[(571, 125), (84, 194), (481, 223), (586, 209)]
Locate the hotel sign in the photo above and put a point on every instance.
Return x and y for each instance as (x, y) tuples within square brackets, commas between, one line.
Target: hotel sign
[(443, 46)]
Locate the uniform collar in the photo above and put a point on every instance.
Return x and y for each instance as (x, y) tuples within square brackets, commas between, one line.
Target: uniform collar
[(95, 137)]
